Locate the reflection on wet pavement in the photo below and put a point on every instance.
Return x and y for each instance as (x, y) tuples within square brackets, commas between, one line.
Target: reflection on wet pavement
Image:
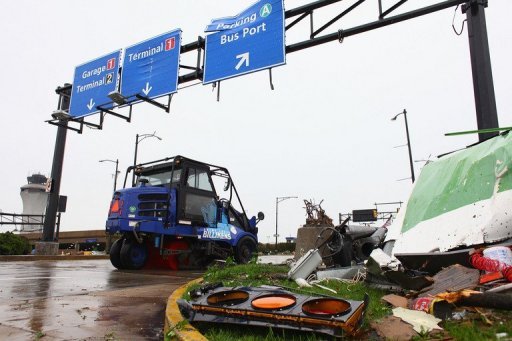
[(77, 300)]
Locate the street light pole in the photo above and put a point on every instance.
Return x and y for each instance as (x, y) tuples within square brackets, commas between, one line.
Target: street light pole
[(278, 200), (117, 170), (139, 138), (408, 141)]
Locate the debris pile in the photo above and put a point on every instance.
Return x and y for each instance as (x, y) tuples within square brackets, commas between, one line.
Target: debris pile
[(434, 290)]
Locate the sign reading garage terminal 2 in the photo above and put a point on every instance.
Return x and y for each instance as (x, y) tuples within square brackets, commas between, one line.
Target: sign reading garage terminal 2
[(248, 42), (92, 82), (150, 68)]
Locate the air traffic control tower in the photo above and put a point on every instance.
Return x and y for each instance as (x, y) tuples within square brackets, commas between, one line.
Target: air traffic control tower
[(34, 197)]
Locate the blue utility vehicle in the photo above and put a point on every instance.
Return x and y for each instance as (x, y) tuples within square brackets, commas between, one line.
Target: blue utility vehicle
[(174, 216)]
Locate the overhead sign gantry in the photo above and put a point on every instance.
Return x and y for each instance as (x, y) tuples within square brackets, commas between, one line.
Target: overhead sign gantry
[(238, 42)]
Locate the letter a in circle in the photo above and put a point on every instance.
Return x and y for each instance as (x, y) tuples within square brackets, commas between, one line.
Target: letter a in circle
[(265, 10)]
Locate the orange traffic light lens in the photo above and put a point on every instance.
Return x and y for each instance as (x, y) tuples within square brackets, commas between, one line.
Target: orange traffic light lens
[(272, 302)]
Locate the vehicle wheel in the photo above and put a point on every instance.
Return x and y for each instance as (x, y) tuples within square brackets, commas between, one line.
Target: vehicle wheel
[(133, 254), (115, 253), (244, 250)]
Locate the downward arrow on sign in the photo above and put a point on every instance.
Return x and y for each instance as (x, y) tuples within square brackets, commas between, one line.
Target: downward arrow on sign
[(91, 104), (244, 58), (147, 89)]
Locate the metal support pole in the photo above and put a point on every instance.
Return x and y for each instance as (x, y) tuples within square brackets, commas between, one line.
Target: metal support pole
[(277, 207), (411, 164), (409, 146), (135, 158), (278, 200), (116, 171), (58, 159), (115, 175), (139, 138), (485, 101)]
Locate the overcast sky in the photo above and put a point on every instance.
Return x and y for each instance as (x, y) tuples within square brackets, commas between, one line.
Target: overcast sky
[(323, 133)]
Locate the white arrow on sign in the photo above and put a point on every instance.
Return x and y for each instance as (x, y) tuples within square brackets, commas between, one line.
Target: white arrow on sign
[(244, 58), (91, 104), (147, 89)]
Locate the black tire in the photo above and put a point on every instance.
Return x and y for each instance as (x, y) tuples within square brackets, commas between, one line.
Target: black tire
[(245, 250), (133, 255), (115, 254)]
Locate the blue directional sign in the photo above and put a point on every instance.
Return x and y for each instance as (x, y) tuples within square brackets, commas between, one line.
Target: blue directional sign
[(93, 81), (248, 42), (150, 68)]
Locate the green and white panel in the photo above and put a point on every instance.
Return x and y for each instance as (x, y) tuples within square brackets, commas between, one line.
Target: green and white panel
[(462, 199)]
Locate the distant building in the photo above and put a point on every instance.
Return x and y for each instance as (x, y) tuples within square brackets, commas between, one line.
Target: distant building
[(291, 239), (34, 197)]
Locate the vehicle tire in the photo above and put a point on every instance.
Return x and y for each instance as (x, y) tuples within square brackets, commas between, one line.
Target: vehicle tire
[(115, 253), (133, 255), (244, 250)]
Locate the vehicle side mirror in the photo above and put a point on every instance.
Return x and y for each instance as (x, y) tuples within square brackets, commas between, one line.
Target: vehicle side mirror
[(261, 216)]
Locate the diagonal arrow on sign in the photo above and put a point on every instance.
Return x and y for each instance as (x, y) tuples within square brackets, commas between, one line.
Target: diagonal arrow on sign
[(244, 58), (147, 89), (91, 104)]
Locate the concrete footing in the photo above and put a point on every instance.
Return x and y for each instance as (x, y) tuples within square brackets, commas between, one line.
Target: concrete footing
[(47, 248), (307, 239)]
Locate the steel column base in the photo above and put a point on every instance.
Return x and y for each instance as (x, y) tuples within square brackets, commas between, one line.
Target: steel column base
[(47, 248)]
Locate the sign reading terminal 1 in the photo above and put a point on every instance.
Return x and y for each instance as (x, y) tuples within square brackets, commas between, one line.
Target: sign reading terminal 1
[(248, 42), (150, 68), (92, 83)]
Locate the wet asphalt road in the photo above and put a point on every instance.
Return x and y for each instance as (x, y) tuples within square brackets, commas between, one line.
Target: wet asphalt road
[(84, 300)]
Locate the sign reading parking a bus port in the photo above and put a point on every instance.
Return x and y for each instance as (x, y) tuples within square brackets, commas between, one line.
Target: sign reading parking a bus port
[(248, 42), (150, 68), (93, 81)]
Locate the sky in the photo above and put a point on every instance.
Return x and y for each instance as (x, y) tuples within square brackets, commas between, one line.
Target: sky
[(324, 132)]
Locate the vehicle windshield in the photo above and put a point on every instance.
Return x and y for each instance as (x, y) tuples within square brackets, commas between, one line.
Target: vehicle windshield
[(161, 177)]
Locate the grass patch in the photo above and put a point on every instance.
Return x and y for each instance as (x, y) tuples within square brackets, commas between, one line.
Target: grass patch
[(484, 324), (475, 327)]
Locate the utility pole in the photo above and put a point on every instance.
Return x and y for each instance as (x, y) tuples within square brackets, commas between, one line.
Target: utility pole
[(408, 141), (278, 200), (117, 170), (483, 86)]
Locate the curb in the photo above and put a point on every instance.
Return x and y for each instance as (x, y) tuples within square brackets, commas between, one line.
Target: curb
[(173, 318), (31, 258)]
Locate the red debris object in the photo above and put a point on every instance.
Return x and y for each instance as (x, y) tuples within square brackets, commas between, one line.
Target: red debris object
[(489, 277), (491, 265)]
